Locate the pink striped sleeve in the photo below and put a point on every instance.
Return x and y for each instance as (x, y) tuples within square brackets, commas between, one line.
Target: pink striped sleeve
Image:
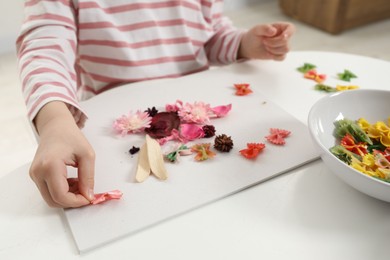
[(222, 48), (46, 55)]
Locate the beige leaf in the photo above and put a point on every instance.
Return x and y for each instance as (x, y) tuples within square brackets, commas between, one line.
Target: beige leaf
[(156, 159), (143, 167)]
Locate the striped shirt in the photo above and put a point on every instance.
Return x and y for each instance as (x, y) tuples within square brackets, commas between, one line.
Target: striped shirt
[(70, 50)]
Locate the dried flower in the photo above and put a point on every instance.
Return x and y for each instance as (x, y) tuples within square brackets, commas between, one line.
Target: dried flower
[(198, 113), (133, 150), (209, 131), (174, 107), (191, 132), (162, 124), (220, 111), (223, 143), (151, 111), (132, 123)]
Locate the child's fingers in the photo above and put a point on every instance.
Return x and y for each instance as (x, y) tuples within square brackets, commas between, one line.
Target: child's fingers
[(42, 187), (58, 188), (264, 30), (278, 50), (86, 172), (286, 29)]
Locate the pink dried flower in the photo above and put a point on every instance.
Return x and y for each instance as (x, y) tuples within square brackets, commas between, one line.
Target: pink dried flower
[(132, 123), (198, 113), (191, 132), (221, 111), (174, 107)]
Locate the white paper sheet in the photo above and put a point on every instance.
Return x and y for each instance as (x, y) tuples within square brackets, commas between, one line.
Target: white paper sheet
[(190, 184)]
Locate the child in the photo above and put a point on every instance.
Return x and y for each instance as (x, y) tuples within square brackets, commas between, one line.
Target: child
[(70, 50)]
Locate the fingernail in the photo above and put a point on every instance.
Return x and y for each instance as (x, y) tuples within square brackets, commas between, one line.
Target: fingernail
[(90, 194)]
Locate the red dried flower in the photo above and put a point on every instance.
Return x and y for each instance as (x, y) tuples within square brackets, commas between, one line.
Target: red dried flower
[(162, 124)]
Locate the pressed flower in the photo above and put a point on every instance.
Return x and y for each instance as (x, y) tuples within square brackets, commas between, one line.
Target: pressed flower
[(203, 151), (162, 124), (198, 113), (242, 89), (252, 150), (132, 123), (277, 136)]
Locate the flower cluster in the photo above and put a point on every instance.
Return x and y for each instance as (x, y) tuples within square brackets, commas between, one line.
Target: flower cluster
[(364, 146), (132, 123), (181, 122)]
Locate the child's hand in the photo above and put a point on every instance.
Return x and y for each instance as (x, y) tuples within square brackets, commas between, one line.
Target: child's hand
[(62, 144), (268, 41)]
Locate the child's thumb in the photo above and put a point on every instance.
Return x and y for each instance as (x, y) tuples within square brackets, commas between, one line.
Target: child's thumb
[(264, 30), (86, 174)]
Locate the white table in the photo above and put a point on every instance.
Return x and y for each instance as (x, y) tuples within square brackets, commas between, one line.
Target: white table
[(307, 213)]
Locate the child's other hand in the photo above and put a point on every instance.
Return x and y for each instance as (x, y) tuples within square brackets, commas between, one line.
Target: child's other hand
[(62, 144), (268, 41)]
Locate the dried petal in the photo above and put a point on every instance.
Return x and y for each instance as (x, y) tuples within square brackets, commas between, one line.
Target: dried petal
[(162, 124), (221, 111)]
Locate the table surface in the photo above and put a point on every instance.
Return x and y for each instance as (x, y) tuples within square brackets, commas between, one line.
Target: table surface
[(305, 213)]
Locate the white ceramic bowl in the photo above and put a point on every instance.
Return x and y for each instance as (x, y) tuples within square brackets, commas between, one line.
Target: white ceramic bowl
[(374, 105)]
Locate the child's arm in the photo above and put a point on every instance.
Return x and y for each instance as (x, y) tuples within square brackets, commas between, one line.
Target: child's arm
[(62, 144), (268, 41), (46, 55)]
